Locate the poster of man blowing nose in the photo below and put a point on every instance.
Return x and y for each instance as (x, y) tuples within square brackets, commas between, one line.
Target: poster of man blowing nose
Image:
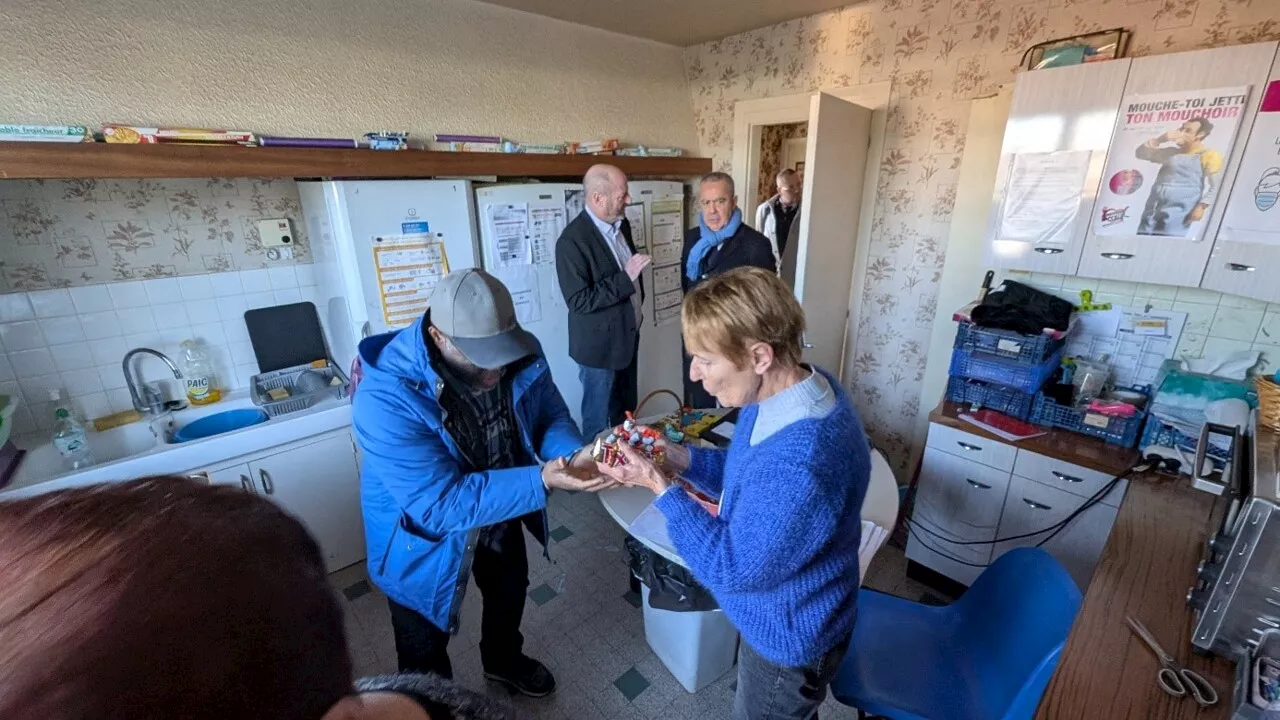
[(1166, 162)]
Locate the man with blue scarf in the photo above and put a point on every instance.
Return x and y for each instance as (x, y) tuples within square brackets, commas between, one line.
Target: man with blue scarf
[(720, 243)]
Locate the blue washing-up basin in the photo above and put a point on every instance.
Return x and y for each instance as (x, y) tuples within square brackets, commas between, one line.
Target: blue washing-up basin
[(222, 422)]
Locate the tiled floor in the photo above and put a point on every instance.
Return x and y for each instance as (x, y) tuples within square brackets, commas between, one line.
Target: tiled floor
[(583, 623)]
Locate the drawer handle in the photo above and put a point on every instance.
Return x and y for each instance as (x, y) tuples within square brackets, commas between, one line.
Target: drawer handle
[(245, 483), (1036, 505), (967, 446), (1066, 478), (1237, 267), (1118, 256), (1048, 251), (267, 485), (975, 483)]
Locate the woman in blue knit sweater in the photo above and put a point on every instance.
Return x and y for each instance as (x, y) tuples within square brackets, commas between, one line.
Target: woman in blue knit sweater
[(782, 556)]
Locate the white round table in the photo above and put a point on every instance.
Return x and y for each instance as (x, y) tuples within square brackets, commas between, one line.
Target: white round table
[(624, 504)]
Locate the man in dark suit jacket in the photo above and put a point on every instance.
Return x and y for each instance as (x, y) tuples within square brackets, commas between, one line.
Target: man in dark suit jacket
[(720, 243), (599, 272)]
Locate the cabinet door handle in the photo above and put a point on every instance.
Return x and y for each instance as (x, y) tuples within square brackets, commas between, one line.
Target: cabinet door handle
[(1048, 250), (1118, 256), (1237, 267), (967, 446), (1036, 505), (245, 483), (1066, 478), (975, 483), (268, 487)]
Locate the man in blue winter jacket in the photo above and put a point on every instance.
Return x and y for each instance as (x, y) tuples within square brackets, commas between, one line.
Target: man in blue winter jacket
[(463, 436)]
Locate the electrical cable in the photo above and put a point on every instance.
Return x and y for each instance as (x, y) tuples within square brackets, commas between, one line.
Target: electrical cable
[(914, 527)]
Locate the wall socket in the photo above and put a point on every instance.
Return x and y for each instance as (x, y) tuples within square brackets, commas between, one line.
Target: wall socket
[(276, 233)]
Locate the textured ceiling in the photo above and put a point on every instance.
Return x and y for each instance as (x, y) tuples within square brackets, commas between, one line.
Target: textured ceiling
[(675, 22)]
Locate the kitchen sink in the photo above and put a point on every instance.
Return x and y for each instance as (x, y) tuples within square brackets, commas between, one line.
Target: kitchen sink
[(217, 424)]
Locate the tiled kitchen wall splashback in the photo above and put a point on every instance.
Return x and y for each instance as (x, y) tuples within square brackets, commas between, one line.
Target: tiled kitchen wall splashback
[(1216, 324), (73, 233), (75, 339)]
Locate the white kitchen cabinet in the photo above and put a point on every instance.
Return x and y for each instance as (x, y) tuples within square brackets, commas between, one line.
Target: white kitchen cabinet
[(318, 482), (1053, 111), (1238, 265), (1171, 260), (237, 475), (973, 489), (1032, 506)]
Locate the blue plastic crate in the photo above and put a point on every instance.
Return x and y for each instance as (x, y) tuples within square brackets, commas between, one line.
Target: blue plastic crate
[(1030, 349), (1004, 371), (1115, 430), (1013, 403)]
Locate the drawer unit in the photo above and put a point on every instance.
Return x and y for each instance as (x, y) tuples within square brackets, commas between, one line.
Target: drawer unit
[(971, 447), (1032, 506), (959, 500), (1075, 479)]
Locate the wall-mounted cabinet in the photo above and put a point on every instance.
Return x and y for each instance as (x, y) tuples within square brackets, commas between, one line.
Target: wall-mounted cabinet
[(1246, 255), (1171, 260), (1062, 113)]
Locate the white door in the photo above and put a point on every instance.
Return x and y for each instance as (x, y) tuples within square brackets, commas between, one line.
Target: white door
[(1174, 260), (320, 485), (835, 167), (236, 475)]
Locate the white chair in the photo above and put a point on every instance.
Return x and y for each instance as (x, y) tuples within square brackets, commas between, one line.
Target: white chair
[(879, 510)]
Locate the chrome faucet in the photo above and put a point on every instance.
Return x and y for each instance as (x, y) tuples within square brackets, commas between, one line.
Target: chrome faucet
[(149, 400)]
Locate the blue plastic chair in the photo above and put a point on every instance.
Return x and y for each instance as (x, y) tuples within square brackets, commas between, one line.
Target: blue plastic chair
[(987, 656)]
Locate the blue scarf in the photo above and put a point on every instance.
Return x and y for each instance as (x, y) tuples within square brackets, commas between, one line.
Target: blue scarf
[(709, 240)]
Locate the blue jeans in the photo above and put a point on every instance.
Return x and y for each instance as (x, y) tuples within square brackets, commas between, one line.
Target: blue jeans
[(772, 692), (606, 396)]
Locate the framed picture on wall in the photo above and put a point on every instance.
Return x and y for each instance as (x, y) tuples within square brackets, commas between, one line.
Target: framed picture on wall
[(799, 167), (1091, 47)]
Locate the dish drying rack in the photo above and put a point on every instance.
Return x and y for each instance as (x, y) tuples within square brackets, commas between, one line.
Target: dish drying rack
[(286, 378)]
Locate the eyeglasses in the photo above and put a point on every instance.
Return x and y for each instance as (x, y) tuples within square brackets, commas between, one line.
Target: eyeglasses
[(715, 203)]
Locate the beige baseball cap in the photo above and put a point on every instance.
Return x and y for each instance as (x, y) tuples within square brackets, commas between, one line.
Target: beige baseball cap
[(474, 309)]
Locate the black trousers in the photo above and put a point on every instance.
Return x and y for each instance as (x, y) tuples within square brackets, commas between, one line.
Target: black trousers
[(501, 570)]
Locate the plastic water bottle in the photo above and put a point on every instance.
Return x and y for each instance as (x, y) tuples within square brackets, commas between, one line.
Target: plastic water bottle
[(69, 436)]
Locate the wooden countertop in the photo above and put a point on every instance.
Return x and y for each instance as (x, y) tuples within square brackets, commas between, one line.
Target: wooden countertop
[(1145, 570), (1059, 444)]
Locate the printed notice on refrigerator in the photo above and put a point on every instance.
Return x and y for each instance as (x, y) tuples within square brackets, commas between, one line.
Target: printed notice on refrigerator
[(1252, 212), (575, 201), (408, 268), (509, 234), (666, 279), (667, 317), (526, 293), (666, 233), (1166, 162), (546, 225), (639, 236), (1042, 198)]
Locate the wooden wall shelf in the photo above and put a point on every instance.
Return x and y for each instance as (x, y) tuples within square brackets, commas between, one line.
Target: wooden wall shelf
[(38, 161)]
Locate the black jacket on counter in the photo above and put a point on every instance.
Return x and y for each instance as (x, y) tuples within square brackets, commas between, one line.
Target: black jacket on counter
[(747, 248), (602, 321)]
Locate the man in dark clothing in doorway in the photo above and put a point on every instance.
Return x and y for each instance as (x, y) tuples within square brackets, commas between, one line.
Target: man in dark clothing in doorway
[(779, 216), (720, 242)]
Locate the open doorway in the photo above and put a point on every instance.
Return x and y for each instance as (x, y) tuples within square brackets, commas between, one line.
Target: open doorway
[(779, 190)]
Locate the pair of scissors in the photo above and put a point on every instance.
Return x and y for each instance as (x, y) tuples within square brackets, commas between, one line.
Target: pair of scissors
[(1172, 677)]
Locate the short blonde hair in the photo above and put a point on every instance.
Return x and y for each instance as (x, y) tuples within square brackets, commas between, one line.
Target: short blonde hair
[(729, 312)]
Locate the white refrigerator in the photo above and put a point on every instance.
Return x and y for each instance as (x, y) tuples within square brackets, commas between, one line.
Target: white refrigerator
[(519, 226), (379, 247)]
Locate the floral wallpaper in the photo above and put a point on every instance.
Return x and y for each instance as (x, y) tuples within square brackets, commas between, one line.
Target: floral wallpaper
[(939, 55), (56, 234), (772, 138)]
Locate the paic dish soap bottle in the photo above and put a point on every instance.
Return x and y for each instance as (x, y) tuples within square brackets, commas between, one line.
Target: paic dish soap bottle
[(197, 373)]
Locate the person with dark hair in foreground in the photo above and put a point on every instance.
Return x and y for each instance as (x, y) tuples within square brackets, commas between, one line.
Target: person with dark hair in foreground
[(168, 598)]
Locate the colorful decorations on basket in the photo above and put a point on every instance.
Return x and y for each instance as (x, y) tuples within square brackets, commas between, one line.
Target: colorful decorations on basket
[(641, 438), (685, 424)]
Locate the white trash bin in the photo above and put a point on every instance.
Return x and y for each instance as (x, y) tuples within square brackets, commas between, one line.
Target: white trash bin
[(697, 647)]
